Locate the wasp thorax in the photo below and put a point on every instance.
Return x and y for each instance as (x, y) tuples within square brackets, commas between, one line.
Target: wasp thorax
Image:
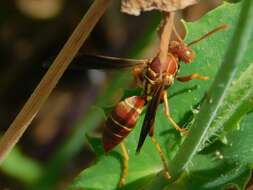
[(182, 51)]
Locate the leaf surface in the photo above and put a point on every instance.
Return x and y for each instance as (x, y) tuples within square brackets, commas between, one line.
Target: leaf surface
[(105, 173)]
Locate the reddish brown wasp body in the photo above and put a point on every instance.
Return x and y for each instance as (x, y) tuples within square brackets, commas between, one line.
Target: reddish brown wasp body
[(154, 78), (121, 121), (154, 75)]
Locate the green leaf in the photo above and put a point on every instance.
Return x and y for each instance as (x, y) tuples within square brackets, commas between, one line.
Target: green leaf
[(237, 103), (232, 62), (238, 147), (21, 167), (222, 165), (143, 168)]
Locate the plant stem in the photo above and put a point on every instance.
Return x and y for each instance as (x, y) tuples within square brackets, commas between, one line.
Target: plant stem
[(51, 78), (234, 56), (166, 30)]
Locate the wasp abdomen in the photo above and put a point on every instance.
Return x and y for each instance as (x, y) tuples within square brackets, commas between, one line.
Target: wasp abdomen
[(121, 121)]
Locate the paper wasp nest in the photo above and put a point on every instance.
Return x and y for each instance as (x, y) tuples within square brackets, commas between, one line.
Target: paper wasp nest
[(134, 7)]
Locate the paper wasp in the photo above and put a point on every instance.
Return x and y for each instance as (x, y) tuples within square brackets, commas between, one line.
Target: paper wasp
[(154, 79)]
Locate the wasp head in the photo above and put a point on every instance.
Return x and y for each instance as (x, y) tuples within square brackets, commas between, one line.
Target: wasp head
[(182, 51)]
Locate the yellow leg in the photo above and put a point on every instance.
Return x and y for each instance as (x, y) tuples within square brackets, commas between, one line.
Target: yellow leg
[(159, 150), (124, 172), (167, 113), (192, 76), (137, 73)]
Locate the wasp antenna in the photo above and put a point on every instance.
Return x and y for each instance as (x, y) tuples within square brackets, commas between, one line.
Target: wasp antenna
[(217, 29), (176, 33)]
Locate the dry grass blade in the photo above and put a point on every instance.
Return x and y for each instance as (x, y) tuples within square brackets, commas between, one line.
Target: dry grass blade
[(51, 78)]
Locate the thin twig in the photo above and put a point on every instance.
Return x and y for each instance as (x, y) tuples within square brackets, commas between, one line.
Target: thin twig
[(51, 78), (165, 35)]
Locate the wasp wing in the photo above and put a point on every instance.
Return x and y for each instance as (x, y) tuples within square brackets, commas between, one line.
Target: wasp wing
[(150, 114), (86, 61)]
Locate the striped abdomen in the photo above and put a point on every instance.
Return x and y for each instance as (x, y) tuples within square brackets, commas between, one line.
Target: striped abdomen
[(121, 121)]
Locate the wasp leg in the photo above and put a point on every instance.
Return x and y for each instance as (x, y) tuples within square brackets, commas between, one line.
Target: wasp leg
[(161, 154), (192, 76), (137, 72), (167, 113), (124, 172)]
